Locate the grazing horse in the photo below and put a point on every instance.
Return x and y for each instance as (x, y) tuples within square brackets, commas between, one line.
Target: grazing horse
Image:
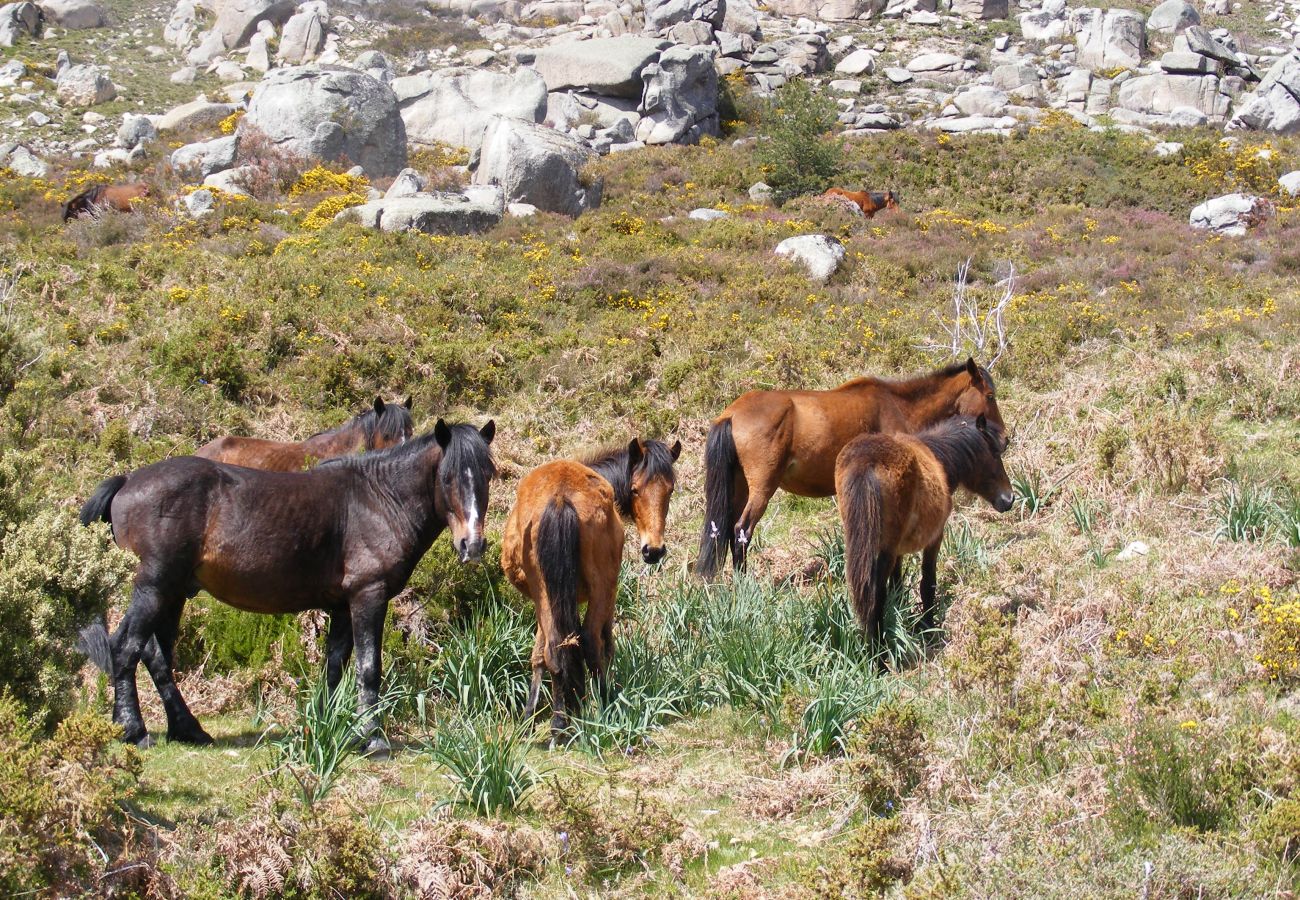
[(895, 494), (870, 202), (386, 425), (789, 439), (562, 547), (117, 196), (342, 537)]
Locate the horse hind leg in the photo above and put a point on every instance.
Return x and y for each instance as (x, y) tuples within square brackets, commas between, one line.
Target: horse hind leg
[(148, 604), (158, 655), (538, 663)]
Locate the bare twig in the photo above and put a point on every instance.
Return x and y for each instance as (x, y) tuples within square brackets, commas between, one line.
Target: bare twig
[(971, 329)]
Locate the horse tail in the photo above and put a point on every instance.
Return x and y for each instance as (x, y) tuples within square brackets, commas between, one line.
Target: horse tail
[(860, 507), (720, 514), (71, 207), (93, 642), (557, 551), (99, 508)]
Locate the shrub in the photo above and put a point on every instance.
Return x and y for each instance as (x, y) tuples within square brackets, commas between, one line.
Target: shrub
[(888, 756), (1244, 513), (799, 155), (487, 765), (55, 577), (323, 740), (1278, 830), (869, 862), (601, 837)]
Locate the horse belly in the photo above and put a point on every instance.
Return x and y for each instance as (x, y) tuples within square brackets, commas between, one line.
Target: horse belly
[(260, 591)]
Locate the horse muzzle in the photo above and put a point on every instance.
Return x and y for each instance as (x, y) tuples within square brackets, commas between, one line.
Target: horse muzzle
[(652, 555), (1004, 501), (470, 550)]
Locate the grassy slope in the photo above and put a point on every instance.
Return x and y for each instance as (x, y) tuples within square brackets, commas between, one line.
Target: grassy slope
[(1148, 365)]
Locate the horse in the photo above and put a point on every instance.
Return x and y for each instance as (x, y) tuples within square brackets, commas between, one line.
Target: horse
[(343, 537), (895, 494), (789, 439), (870, 202), (386, 425), (90, 201), (562, 548)]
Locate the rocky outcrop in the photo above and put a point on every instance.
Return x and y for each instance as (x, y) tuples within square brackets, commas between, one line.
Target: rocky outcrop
[(680, 99), (1231, 214), (455, 107), (1108, 39), (611, 67), (74, 15), (1162, 94), (828, 10), (331, 113), (238, 19), (303, 37), (20, 20), (1275, 104), (534, 164), (84, 86), (476, 209)]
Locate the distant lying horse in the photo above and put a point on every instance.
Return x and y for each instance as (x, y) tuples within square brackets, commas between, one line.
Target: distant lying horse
[(562, 547), (895, 494), (789, 439), (343, 537), (870, 202), (386, 425), (101, 196)]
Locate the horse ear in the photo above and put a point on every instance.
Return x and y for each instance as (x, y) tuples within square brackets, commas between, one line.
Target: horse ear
[(974, 371), (442, 434), (489, 431), (635, 453), (407, 404), (675, 450), (379, 406)]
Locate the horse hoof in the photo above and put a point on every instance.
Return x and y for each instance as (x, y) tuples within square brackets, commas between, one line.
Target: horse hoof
[(195, 736), (143, 742), (377, 748)]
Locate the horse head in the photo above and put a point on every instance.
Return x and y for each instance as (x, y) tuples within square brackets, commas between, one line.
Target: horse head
[(991, 481), (650, 475), (388, 424), (979, 397), (461, 489)]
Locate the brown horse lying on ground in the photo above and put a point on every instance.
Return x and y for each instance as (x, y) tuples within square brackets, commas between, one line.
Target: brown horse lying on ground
[(895, 495), (870, 202), (386, 425), (789, 439), (101, 196), (562, 548)]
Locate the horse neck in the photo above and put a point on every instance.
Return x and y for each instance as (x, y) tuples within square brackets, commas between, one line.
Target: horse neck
[(405, 483), (957, 456), (927, 400)]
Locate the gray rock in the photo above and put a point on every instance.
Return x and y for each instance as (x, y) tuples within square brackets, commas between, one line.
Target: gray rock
[(304, 35), (981, 9), (408, 183), (934, 62), (828, 10), (20, 20), (195, 114), (845, 86), (135, 131), (21, 161), (859, 62), (1160, 94), (1275, 104), (567, 109), (259, 54), (760, 192), (1230, 214), (210, 45), (184, 75), (1290, 183), (967, 124), (739, 17), (611, 66), (455, 106), (820, 254), (1186, 117), (1168, 148), (981, 100), (183, 24), (1016, 75), (708, 215), (1172, 16), (37, 119), (200, 203), (331, 113), (232, 181), (84, 86), (238, 19), (533, 164), (1043, 24), (680, 100), (1108, 39), (660, 14), (12, 72), (471, 212), (1189, 64), (206, 157), (74, 15), (1199, 40), (897, 75), (691, 33)]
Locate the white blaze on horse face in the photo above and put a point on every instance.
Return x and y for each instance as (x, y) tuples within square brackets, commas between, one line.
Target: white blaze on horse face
[(471, 523)]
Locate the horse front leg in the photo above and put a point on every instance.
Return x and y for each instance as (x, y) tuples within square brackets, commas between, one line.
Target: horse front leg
[(338, 647), (929, 582), (159, 656), (368, 610)]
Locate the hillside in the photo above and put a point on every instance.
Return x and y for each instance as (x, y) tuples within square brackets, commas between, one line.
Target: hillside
[(1108, 708)]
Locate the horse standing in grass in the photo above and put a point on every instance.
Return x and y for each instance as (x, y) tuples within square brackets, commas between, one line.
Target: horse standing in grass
[(870, 202), (342, 537), (895, 495), (789, 439), (562, 548), (89, 202), (384, 426)]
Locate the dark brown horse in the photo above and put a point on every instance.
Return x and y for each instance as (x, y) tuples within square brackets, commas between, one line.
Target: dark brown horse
[(120, 197), (342, 537), (562, 548), (789, 439), (384, 426), (870, 202), (895, 495)]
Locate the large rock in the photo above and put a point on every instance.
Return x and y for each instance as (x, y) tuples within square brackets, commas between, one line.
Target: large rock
[(1231, 213), (304, 34), (569, 109), (1185, 63), (330, 113), (199, 113), (740, 17), (536, 165), (1290, 183), (981, 9), (455, 106), (1046, 24), (820, 254), (860, 62), (74, 14), (238, 19), (206, 157), (680, 100), (476, 210), (84, 86), (935, 62), (21, 161), (1275, 104), (981, 100), (136, 131), (1108, 39), (20, 20), (828, 10), (609, 66), (183, 24), (1161, 94), (210, 45), (660, 14), (1172, 16)]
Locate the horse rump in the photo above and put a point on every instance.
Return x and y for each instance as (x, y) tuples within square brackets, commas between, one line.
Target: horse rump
[(860, 508), (720, 513), (559, 560), (83, 203)]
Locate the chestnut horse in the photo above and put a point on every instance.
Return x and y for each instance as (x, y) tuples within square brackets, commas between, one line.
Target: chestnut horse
[(562, 548), (789, 439), (343, 537), (895, 494), (870, 202), (118, 196), (386, 425)]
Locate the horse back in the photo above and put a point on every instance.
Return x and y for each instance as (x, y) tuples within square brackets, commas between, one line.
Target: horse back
[(256, 453)]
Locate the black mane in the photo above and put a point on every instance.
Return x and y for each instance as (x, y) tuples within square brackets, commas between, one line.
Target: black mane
[(961, 448), (611, 464), (467, 450), (394, 425)]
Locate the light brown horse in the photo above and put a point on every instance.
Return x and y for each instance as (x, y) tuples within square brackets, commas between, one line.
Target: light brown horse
[(870, 202), (789, 439), (895, 494), (118, 197), (562, 548), (386, 425)]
